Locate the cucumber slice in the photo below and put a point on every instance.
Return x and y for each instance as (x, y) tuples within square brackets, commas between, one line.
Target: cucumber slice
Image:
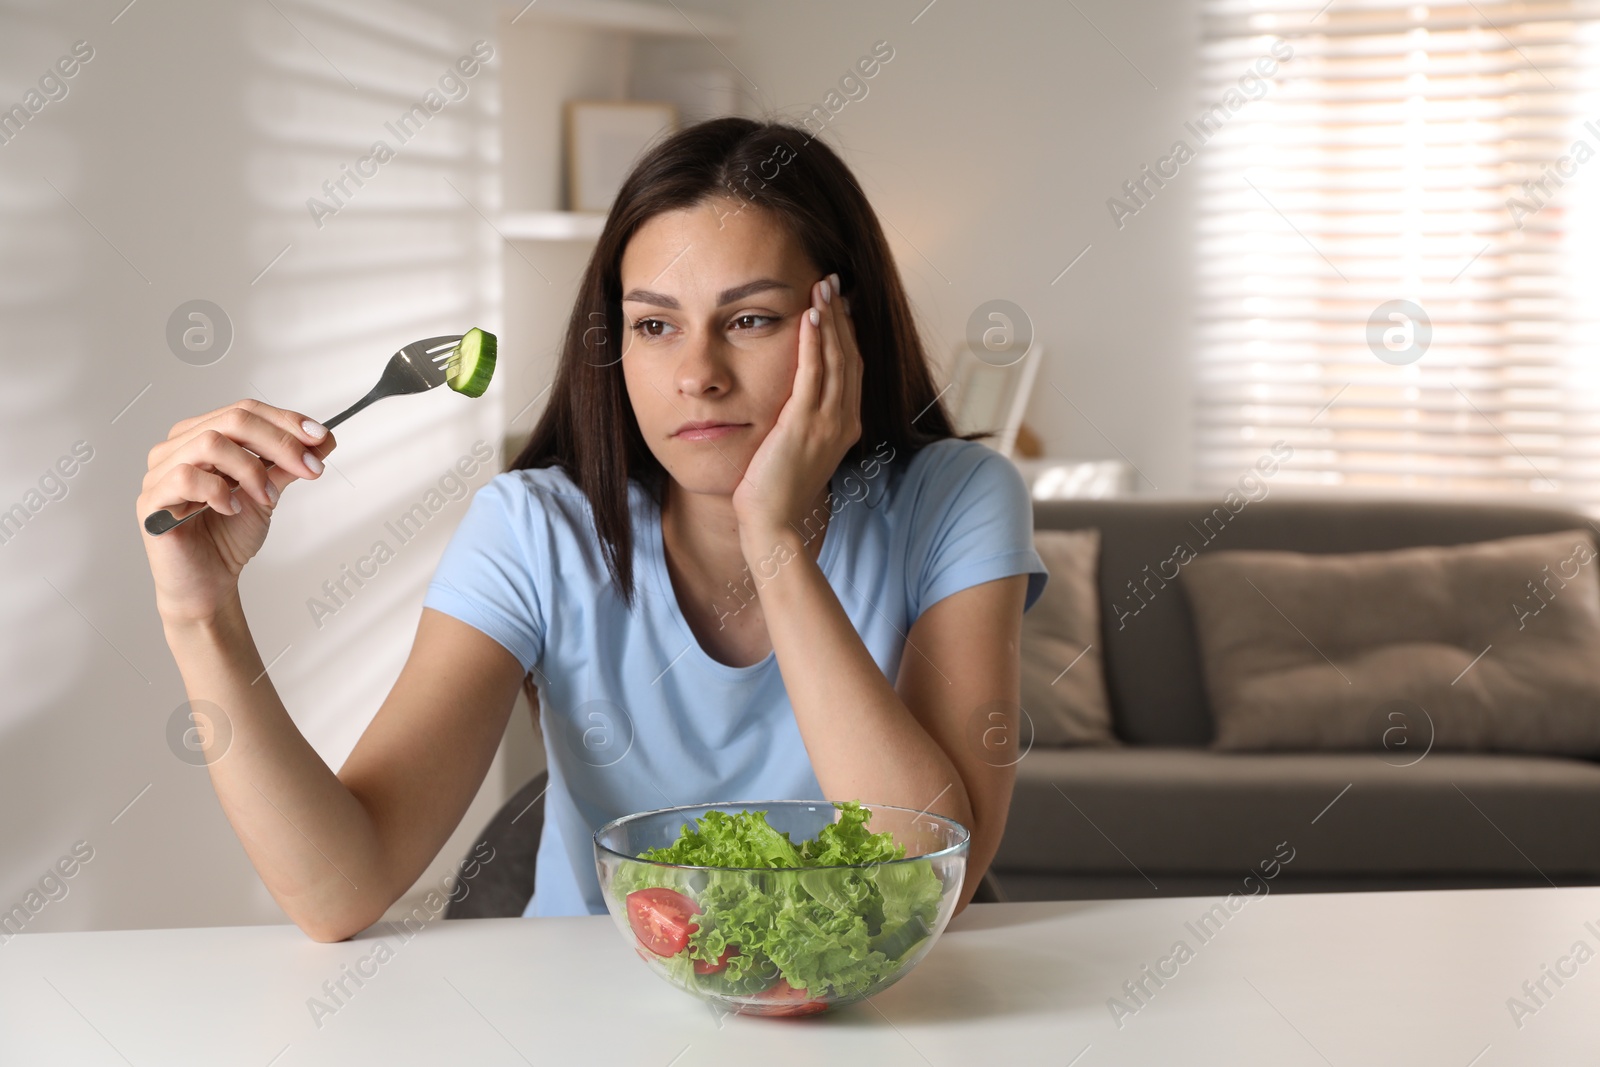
[(472, 363)]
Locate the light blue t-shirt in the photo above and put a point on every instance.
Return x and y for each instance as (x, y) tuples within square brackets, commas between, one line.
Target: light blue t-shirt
[(636, 716)]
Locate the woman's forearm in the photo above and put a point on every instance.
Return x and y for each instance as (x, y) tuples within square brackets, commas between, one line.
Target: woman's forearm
[(850, 717), (310, 839)]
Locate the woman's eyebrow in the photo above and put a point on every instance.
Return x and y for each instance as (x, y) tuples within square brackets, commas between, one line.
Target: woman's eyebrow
[(727, 296)]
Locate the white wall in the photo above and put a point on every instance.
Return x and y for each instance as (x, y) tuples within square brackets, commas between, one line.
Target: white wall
[(181, 161), (184, 154), (990, 144)]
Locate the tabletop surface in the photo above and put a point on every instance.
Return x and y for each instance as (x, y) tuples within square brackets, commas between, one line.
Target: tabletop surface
[(1433, 978)]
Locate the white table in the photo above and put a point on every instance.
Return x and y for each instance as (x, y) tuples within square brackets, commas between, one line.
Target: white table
[(1412, 979)]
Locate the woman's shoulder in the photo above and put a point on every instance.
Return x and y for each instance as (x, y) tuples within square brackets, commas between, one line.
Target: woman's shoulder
[(546, 498), (513, 499), (940, 468), (534, 482), (950, 453)]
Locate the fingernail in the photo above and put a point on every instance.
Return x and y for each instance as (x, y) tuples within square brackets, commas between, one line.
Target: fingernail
[(313, 462), (272, 492), (313, 429), (238, 505), (816, 317), (826, 295), (844, 302), (835, 277)]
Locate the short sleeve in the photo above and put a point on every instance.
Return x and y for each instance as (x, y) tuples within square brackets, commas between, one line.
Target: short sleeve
[(489, 575), (974, 524)]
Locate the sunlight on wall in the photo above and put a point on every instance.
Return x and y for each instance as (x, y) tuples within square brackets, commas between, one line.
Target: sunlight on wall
[(44, 360), (48, 257), (178, 167), (393, 254)]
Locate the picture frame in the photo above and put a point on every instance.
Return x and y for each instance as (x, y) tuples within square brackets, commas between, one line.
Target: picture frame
[(604, 139), (993, 397)]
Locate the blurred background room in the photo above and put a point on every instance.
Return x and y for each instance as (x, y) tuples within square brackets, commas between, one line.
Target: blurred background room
[(1159, 247)]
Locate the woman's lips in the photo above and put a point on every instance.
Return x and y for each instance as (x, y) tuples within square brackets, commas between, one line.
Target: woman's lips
[(709, 433)]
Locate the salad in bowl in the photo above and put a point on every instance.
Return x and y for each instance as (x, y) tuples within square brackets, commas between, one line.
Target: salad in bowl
[(789, 907)]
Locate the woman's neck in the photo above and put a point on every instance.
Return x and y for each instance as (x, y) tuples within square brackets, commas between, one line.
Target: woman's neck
[(701, 534)]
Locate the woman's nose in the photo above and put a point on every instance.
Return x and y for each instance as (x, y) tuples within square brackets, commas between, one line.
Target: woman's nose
[(703, 367)]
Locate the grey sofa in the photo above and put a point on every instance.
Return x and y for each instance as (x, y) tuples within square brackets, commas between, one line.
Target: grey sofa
[(1162, 815)]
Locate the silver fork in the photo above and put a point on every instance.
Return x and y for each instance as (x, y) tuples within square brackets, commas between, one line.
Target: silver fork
[(416, 368)]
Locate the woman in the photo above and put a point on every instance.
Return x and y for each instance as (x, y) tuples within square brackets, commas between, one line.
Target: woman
[(741, 515)]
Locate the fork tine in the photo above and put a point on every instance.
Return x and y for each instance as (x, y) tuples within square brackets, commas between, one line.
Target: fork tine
[(428, 346)]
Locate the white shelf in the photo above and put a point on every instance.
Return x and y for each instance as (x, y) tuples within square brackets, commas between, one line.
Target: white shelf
[(1054, 478), (552, 225), (629, 16)]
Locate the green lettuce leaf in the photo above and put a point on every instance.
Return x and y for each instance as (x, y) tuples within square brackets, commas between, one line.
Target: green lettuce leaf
[(908, 889), (837, 931), (723, 840)]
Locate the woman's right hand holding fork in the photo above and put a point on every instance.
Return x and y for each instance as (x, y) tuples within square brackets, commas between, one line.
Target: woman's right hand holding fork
[(196, 566)]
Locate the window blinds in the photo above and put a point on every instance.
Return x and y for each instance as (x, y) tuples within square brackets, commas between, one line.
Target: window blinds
[(1397, 255)]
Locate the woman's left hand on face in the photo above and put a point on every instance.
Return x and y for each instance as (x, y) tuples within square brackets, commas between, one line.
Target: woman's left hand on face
[(816, 427)]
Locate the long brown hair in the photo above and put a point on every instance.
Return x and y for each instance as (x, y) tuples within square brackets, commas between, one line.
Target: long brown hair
[(588, 428)]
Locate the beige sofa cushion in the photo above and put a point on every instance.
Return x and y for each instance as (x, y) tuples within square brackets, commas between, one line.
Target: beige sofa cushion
[(1175, 811), (1490, 646), (1063, 679)]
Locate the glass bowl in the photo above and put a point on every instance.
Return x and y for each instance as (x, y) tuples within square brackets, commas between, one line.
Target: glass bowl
[(827, 936)]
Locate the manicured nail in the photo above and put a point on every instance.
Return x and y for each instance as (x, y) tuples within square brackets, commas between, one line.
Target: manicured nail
[(272, 492), (313, 462), (314, 429), (835, 278), (826, 295), (816, 317), (238, 505)]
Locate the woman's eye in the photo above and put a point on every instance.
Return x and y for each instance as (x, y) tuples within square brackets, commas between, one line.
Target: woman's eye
[(655, 327), (644, 326)]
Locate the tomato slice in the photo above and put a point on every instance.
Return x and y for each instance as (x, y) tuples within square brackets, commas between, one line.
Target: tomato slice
[(781, 998), (702, 967), (661, 919)]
